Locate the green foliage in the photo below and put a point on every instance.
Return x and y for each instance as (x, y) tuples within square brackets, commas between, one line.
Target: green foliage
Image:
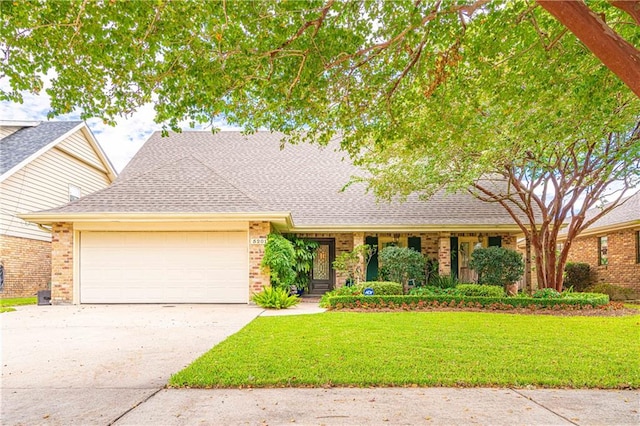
[(401, 264), (444, 281), (18, 301), (304, 251), (354, 263), (353, 290), (614, 292), (546, 293), (275, 298), (479, 290), (455, 349), (577, 276), (506, 89), (497, 265), (383, 287), (459, 301), (279, 257), (432, 291), (431, 269)]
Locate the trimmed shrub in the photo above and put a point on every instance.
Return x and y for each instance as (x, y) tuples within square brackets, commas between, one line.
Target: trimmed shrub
[(354, 290), (577, 276), (546, 293), (497, 265), (383, 287), (479, 290), (432, 290), (401, 264), (274, 298), (615, 292), (457, 301)]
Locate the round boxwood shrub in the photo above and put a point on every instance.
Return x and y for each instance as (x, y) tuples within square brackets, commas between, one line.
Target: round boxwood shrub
[(497, 265)]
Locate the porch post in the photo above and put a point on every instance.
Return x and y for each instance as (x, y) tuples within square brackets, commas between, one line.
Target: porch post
[(444, 254), (358, 240)]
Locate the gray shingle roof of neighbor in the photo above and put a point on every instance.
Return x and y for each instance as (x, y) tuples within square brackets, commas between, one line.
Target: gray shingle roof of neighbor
[(25, 142), (627, 211), (197, 171)]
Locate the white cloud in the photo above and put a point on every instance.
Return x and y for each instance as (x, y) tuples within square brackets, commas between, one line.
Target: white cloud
[(120, 143)]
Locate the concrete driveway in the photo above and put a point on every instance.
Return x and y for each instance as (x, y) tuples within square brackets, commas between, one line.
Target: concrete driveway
[(91, 364)]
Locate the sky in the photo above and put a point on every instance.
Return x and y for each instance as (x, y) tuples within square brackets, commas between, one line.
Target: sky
[(120, 143)]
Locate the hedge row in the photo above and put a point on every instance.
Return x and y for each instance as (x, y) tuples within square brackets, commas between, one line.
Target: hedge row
[(501, 303)]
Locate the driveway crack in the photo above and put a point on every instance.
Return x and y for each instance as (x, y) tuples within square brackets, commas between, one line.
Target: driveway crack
[(114, 421), (543, 406)]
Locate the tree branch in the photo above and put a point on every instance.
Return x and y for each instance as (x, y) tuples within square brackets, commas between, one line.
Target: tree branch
[(614, 51)]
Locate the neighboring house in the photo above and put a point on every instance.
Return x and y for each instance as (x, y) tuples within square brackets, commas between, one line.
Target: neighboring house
[(186, 221), (42, 165), (611, 245)]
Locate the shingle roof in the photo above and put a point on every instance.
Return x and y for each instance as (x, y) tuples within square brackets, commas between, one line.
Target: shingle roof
[(20, 145), (626, 212), (231, 172)]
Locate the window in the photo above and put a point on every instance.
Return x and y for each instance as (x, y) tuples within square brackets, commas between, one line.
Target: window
[(637, 246), (74, 193), (603, 249)]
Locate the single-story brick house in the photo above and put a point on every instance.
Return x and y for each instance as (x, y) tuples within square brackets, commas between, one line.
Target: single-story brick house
[(42, 165), (611, 245), (186, 221)]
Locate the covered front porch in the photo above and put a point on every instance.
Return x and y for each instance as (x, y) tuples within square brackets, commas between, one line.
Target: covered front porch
[(450, 249)]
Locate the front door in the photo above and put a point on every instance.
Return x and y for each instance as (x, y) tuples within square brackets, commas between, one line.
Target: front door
[(322, 273)]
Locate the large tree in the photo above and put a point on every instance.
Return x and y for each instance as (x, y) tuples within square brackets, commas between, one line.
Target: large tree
[(424, 94)]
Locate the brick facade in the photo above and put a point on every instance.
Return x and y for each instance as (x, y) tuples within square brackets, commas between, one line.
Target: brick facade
[(27, 266), (258, 278), (621, 269), (344, 243), (62, 264)]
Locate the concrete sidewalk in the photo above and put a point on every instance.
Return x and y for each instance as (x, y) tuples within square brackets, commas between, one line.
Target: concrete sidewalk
[(386, 406)]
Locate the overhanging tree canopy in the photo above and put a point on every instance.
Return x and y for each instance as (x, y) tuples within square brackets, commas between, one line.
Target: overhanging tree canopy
[(440, 92)]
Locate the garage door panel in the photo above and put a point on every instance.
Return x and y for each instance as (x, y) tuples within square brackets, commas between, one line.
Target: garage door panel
[(164, 267)]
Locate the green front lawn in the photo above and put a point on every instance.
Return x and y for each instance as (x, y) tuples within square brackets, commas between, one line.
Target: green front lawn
[(6, 304), (424, 349)]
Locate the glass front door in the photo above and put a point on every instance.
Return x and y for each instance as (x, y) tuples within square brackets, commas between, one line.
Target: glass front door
[(322, 274)]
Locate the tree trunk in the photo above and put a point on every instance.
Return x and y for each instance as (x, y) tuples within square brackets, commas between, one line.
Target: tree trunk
[(614, 51)]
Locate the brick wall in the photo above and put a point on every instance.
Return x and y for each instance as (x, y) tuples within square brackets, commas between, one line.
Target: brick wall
[(258, 278), (621, 268), (344, 243), (27, 266), (62, 264)]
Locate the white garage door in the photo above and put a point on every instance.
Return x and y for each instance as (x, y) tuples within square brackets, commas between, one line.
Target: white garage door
[(164, 267)]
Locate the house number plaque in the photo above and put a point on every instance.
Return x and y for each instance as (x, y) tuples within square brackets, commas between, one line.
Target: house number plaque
[(260, 241)]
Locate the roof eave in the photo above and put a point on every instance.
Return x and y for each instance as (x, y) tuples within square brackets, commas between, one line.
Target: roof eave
[(282, 218), (406, 228), (589, 232)]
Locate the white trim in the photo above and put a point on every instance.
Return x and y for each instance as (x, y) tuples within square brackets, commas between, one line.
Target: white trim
[(38, 153), (406, 228), (49, 218), (111, 173)]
